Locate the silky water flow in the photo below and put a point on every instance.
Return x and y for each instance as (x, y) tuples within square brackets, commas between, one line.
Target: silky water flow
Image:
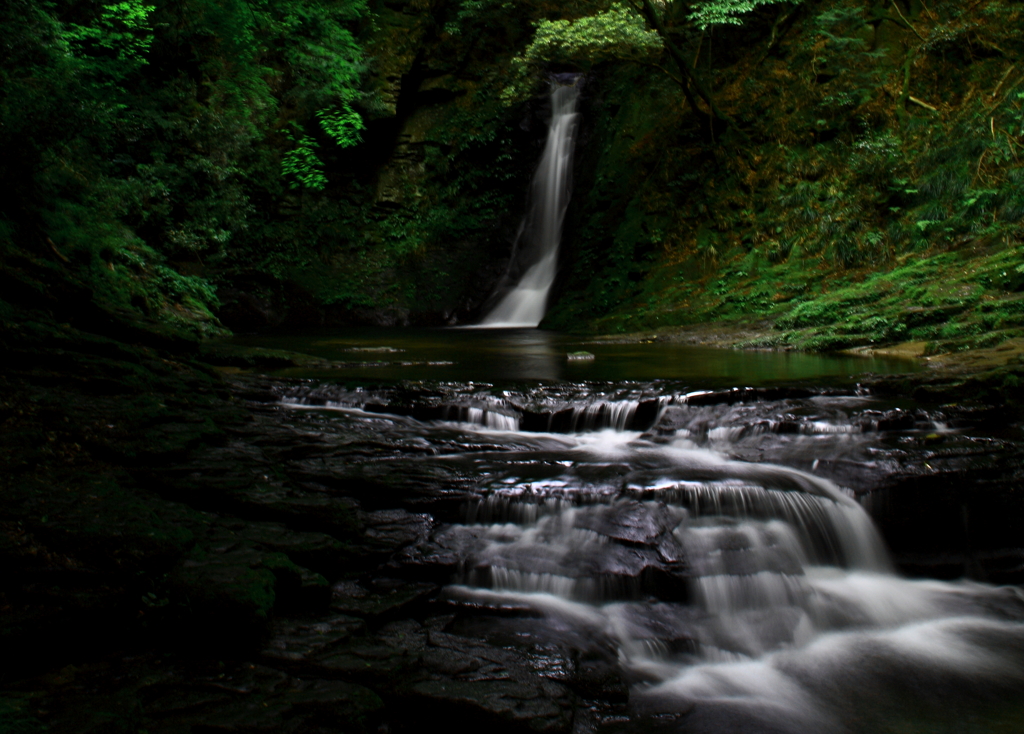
[(541, 232), (736, 591)]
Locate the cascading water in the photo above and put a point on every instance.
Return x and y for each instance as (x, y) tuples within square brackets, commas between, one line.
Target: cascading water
[(736, 592), (524, 306)]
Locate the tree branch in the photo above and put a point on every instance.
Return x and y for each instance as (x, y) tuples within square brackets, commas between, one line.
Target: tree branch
[(921, 103), (782, 18), (907, 22), (651, 14)]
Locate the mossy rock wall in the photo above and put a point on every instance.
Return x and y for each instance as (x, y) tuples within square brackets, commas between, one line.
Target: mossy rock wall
[(418, 222)]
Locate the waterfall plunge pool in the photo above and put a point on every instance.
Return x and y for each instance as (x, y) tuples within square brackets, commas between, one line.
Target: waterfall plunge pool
[(629, 547), (512, 355)]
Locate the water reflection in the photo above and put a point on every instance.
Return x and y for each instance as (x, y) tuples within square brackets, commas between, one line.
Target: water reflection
[(508, 355)]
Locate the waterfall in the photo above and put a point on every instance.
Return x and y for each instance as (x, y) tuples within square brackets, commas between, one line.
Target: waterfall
[(541, 232)]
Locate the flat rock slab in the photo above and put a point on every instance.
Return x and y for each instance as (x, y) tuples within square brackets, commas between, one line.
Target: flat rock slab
[(440, 556), (296, 641), (629, 521), (317, 551), (506, 701), (491, 684), (394, 529), (383, 659), (385, 598)]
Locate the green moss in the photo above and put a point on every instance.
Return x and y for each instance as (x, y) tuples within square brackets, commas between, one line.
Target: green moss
[(833, 217)]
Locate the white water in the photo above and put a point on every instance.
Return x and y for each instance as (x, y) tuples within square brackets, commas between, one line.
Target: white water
[(738, 595), (524, 306), (794, 616)]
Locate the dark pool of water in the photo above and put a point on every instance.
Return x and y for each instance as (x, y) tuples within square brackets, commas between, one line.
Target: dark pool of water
[(500, 355)]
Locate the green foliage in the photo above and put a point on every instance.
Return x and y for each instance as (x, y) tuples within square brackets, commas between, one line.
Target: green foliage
[(618, 33), (471, 12), (16, 716), (857, 201), (135, 135), (321, 50), (343, 126), (708, 13), (302, 166), (122, 29)]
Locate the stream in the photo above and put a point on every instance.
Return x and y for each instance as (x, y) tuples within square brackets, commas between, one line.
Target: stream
[(674, 538)]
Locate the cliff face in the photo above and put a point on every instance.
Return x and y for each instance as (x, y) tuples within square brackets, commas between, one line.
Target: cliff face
[(418, 219), (418, 222)]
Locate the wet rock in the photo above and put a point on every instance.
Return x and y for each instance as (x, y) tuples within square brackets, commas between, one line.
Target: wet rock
[(243, 483), (488, 702), (388, 531), (463, 598), (438, 558), (95, 713), (317, 551), (601, 680), (629, 521), (647, 412), (385, 598), (744, 395), (890, 420), (495, 686), (597, 572), (383, 659), (664, 627), (295, 641), (229, 596), (584, 659)]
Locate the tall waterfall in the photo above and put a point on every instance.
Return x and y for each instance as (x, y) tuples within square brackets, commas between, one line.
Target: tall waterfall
[(525, 304)]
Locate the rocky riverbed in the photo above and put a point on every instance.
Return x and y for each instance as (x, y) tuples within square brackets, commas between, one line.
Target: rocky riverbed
[(185, 553)]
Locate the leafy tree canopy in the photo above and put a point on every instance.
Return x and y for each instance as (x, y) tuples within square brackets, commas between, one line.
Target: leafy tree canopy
[(616, 33), (725, 12), (633, 33)]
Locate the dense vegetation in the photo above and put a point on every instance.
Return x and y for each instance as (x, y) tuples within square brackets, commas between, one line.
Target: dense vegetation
[(867, 189), (849, 169), (144, 143)]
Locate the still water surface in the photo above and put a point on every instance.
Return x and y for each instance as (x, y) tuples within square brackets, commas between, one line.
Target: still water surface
[(502, 355)]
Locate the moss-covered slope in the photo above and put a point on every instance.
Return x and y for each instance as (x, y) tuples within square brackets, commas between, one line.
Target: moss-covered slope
[(871, 191)]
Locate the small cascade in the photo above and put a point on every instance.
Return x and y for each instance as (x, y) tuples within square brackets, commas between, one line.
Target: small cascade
[(597, 412), (489, 418), (698, 539), (602, 415), (541, 233)]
